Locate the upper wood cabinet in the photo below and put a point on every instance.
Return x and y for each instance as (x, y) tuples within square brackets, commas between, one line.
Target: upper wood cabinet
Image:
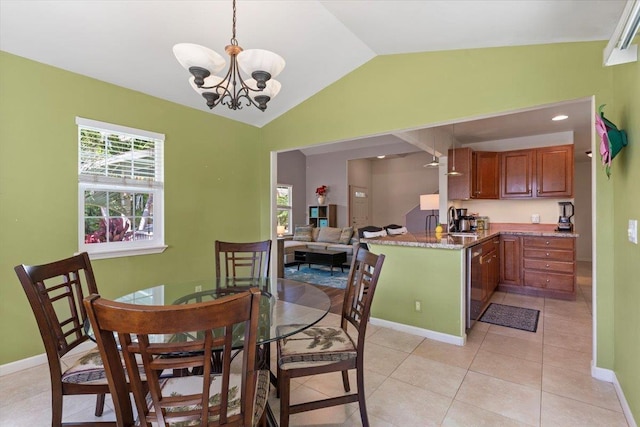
[(539, 172), (459, 186), (486, 175), (480, 175), (554, 171)]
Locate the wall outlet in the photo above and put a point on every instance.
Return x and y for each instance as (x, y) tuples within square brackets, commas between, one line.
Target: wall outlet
[(632, 231), (199, 288), (418, 306), (535, 218)]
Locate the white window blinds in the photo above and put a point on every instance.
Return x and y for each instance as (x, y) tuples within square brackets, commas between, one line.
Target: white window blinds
[(116, 154)]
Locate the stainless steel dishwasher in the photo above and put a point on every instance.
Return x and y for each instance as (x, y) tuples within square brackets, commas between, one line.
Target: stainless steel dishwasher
[(474, 290)]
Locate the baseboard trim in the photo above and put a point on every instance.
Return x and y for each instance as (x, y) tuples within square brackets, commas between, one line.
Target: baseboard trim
[(426, 333), (40, 359), (610, 376), (19, 365)]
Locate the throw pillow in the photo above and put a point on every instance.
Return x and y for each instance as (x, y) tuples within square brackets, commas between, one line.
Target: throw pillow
[(372, 234), (394, 231), (329, 234), (302, 233), (345, 236)]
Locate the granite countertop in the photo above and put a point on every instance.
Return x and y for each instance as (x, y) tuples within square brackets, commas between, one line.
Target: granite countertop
[(459, 240)]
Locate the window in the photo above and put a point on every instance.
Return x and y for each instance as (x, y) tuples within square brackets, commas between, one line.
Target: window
[(284, 206), (120, 190)]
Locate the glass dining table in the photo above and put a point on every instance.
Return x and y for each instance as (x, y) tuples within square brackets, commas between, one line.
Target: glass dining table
[(283, 302)]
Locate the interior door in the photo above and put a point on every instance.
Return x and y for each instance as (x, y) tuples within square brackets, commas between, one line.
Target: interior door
[(358, 206)]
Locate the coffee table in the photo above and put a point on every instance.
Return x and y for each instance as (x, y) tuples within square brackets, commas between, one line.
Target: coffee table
[(321, 257)]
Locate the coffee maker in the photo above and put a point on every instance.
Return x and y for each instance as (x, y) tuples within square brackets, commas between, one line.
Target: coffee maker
[(564, 221)]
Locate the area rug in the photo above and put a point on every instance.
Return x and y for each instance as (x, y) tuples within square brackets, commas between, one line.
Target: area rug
[(318, 275), (525, 319)]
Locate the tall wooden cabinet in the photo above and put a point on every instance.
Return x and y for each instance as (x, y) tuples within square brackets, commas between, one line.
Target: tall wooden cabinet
[(539, 172), (322, 215)]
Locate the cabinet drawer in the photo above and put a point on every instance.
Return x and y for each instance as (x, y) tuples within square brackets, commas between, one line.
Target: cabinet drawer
[(551, 266), (561, 282), (549, 254), (549, 242)]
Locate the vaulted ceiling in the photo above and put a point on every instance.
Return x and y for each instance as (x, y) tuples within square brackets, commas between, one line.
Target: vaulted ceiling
[(129, 43)]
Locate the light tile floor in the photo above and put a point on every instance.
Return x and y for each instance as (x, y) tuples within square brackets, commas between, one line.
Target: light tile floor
[(501, 377)]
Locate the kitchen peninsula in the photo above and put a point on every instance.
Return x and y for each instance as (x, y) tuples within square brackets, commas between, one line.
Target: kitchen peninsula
[(424, 288)]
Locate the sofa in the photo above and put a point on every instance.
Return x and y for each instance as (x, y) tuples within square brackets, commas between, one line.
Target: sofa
[(330, 238)]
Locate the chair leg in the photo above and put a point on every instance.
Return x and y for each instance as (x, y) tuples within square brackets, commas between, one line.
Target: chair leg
[(345, 381), (279, 372), (56, 407), (361, 402), (284, 381), (99, 404)]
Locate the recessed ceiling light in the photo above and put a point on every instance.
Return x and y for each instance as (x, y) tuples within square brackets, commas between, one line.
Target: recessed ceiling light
[(560, 117), (381, 157)]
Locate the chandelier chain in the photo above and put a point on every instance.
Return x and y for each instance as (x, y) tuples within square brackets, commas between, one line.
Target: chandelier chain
[(233, 34)]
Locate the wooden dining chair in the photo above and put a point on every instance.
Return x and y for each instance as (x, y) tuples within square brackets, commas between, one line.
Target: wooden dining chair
[(55, 292), (322, 349), (236, 396), (243, 260)]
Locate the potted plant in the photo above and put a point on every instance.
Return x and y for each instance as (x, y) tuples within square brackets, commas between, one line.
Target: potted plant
[(321, 192)]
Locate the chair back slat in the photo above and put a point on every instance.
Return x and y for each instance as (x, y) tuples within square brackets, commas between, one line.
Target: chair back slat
[(243, 260), (361, 286), (199, 330), (55, 292)]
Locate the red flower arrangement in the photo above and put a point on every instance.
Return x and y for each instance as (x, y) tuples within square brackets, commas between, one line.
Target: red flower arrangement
[(322, 190)]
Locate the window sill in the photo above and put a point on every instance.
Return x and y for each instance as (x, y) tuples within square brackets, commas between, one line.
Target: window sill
[(126, 252)]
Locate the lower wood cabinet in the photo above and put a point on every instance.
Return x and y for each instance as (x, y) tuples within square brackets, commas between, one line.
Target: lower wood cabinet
[(510, 259), (541, 266)]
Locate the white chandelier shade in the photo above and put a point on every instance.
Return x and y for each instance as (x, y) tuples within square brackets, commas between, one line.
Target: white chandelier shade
[(271, 90), (252, 60), (210, 81), (193, 55)]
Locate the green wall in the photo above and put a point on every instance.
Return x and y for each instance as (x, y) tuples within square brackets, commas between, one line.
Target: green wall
[(398, 92), (211, 173), (218, 171), (431, 276), (624, 185)]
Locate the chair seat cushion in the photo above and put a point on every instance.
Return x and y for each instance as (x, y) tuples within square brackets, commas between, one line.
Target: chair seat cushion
[(87, 369), (315, 346), (182, 386)]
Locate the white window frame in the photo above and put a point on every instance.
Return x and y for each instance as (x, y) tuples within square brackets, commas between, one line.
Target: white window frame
[(285, 207), (88, 182)]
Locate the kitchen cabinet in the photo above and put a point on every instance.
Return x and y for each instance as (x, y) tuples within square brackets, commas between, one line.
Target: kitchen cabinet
[(480, 174), (538, 265), (549, 267), (485, 177), (490, 267), (510, 260), (554, 171), (539, 172), (459, 186)]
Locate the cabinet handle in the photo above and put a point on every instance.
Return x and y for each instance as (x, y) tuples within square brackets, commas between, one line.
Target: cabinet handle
[(547, 243), (547, 253), (547, 265), (548, 280)]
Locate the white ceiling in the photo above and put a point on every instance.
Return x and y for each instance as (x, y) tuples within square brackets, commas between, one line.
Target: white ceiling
[(129, 43)]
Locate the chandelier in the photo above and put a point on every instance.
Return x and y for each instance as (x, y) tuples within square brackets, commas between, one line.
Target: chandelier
[(233, 89)]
